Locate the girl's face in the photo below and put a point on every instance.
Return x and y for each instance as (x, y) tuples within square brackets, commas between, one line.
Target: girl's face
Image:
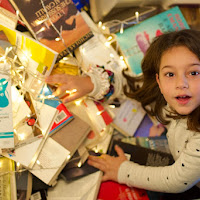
[(179, 79)]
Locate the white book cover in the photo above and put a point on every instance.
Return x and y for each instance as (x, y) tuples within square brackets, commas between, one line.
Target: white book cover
[(27, 153), (128, 117), (52, 159), (6, 122)]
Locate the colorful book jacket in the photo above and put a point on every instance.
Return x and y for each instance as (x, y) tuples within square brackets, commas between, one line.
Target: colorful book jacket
[(51, 19), (136, 39)]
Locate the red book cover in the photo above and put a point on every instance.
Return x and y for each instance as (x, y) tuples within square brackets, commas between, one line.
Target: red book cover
[(111, 190), (63, 117)]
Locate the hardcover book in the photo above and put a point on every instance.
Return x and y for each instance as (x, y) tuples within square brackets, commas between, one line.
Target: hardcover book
[(56, 24), (142, 34), (142, 155)]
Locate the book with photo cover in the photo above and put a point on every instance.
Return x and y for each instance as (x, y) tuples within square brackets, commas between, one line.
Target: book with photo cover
[(143, 33), (142, 155), (48, 20)]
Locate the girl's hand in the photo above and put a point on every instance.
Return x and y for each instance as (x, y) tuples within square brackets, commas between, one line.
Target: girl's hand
[(108, 164), (83, 85)]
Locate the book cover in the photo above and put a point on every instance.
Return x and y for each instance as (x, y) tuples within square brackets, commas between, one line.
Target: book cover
[(6, 116), (110, 190), (8, 18), (142, 155), (64, 115), (126, 17), (48, 20), (72, 135), (72, 171), (142, 34), (37, 59), (58, 149), (7, 179), (128, 117), (27, 151)]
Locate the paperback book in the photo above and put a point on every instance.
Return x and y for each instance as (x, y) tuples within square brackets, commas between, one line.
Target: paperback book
[(142, 34), (56, 24)]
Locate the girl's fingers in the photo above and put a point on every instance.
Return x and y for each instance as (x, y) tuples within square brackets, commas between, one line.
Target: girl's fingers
[(97, 165), (119, 151), (57, 78)]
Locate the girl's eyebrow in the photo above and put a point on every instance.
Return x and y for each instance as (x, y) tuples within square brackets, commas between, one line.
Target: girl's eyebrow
[(170, 66)]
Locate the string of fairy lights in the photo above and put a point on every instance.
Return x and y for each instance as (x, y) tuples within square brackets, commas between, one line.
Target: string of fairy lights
[(17, 70)]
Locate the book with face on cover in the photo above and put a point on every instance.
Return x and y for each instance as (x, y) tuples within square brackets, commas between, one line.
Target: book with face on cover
[(56, 24), (143, 33)]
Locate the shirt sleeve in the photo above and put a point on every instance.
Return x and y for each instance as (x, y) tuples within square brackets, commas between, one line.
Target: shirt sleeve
[(176, 178), (106, 83)]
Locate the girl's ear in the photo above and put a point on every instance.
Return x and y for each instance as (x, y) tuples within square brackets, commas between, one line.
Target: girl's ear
[(158, 81)]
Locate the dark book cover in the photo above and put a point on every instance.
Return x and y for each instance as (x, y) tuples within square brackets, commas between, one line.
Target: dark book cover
[(142, 155), (48, 20), (72, 172)]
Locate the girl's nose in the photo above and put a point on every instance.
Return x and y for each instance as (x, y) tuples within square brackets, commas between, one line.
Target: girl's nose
[(182, 82)]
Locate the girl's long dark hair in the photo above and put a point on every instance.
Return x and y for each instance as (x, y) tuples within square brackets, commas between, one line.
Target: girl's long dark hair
[(149, 93)]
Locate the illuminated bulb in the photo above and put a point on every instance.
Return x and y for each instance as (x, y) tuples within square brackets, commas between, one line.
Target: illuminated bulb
[(28, 115), (137, 16), (38, 162), (121, 57), (39, 81), (112, 55), (18, 164), (57, 39), (107, 44), (21, 67), (65, 58), (122, 28), (103, 27), (96, 150), (83, 50), (51, 96), (100, 24), (0, 164), (112, 106), (21, 136), (45, 89), (78, 102), (109, 38), (99, 112), (68, 157), (74, 90), (17, 12), (79, 164)]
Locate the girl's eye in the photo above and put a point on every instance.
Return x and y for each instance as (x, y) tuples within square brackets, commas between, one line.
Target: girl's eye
[(169, 74), (194, 73)]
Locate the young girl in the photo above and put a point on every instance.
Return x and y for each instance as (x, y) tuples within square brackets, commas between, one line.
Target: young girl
[(171, 93)]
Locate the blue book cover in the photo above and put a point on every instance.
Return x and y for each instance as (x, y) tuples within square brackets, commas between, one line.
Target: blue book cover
[(136, 39)]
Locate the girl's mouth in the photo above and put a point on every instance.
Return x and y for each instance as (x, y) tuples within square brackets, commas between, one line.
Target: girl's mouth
[(183, 99)]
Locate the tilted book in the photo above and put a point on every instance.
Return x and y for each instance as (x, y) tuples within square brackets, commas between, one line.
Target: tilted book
[(136, 39), (57, 24)]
